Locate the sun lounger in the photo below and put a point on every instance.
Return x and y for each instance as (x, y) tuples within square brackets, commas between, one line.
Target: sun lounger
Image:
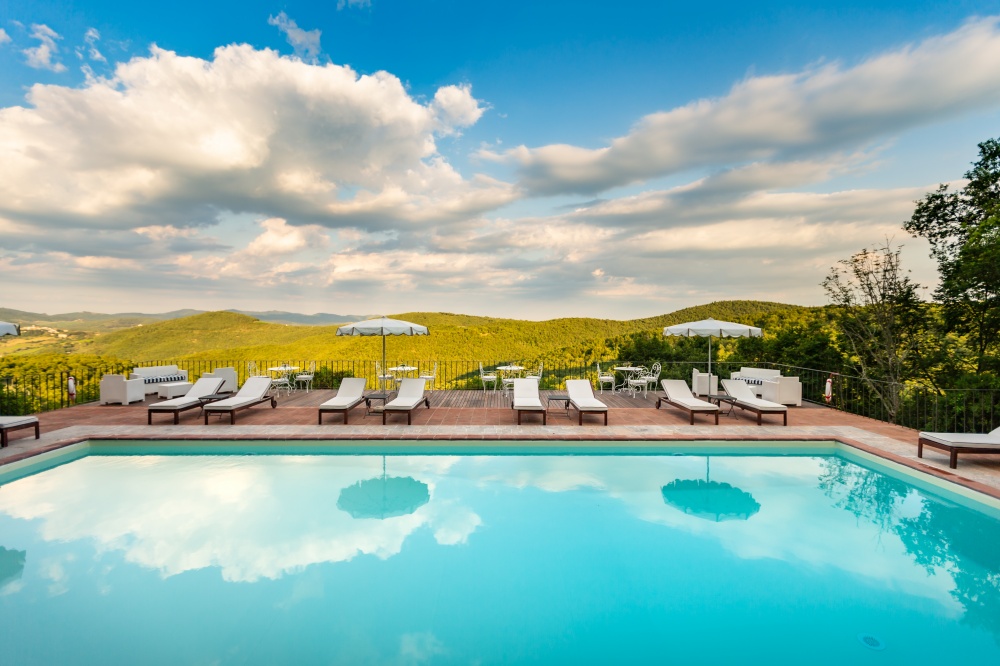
[(745, 399), (350, 395), (581, 397), (409, 397), (253, 392), (193, 398), (8, 423), (955, 443), (677, 393), (526, 398)]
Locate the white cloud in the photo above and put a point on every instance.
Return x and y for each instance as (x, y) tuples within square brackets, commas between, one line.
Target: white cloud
[(353, 3), (91, 37), (4, 37), (785, 116), (174, 141), (305, 42), (281, 239), (44, 56)]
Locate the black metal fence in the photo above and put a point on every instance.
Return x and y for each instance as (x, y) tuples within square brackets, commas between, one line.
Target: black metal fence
[(914, 406)]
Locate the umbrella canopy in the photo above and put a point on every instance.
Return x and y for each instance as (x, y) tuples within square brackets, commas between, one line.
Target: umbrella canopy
[(383, 327), (706, 328), (711, 500), (9, 329), (383, 497)]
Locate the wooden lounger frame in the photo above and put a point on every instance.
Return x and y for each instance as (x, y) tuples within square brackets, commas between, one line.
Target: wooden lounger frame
[(687, 409), (20, 426), (232, 411), (581, 412), (760, 412), (176, 411), (338, 410), (954, 449), (543, 412), (409, 412)]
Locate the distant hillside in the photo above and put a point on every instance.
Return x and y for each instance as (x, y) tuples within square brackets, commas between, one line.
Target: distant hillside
[(318, 319), (97, 321), (233, 336)]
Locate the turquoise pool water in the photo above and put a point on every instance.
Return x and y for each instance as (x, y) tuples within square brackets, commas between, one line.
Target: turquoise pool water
[(120, 558)]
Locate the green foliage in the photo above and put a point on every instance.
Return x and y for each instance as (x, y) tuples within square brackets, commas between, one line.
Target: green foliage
[(963, 228)]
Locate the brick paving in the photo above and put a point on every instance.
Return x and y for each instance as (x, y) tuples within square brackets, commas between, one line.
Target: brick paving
[(477, 415)]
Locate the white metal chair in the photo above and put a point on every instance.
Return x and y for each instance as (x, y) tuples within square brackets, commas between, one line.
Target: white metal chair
[(282, 382), (306, 377), (651, 378), (484, 377), (430, 378), (253, 370), (636, 380), (605, 378), (532, 375), (383, 378), (507, 379)]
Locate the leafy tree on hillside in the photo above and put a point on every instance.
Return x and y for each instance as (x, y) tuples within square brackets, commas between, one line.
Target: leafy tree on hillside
[(963, 228), (881, 319)]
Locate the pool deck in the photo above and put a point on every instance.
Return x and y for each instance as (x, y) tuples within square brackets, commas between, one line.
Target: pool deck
[(477, 415)]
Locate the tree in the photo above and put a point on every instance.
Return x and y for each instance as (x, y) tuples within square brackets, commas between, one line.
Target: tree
[(963, 228), (880, 317)]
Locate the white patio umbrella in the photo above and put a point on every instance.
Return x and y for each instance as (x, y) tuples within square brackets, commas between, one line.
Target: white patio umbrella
[(383, 327), (9, 329), (706, 328)]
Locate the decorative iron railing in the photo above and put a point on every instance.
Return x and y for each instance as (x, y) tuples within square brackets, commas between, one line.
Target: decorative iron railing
[(914, 406)]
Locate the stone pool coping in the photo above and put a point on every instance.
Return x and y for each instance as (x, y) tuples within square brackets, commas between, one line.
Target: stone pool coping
[(971, 476)]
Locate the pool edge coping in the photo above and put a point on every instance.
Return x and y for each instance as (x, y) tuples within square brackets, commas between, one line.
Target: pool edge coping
[(645, 434)]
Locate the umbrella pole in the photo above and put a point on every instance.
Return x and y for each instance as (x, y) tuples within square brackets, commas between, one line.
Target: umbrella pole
[(384, 370), (710, 364)]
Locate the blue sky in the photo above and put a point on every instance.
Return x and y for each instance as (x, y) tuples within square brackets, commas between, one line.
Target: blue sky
[(520, 159)]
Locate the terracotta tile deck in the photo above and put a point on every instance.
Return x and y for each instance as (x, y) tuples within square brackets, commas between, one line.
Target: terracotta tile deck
[(475, 415)]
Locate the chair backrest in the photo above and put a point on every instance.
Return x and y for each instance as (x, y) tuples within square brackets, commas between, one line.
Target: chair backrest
[(353, 387), (205, 386), (434, 372), (655, 370), (254, 387), (738, 389), (482, 372), (676, 388), (411, 388), (579, 389), (525, 388)]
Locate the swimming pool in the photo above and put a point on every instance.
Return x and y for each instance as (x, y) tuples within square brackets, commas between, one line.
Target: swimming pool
[(130, 553)]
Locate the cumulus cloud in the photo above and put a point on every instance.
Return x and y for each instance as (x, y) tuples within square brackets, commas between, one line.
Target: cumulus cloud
[(4, 37), (305, 42), (279, 238), (176, 141), (788, 116), (45, 55)]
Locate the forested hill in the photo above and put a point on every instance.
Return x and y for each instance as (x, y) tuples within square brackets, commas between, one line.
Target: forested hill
[(227, 335)]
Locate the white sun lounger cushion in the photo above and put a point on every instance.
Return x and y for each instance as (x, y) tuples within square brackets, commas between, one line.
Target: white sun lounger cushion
[(526, 395), (252, 391), (737, 388), (411, 394), (581, 394), (677, 392), (351, 392), (201, 388), (964, 439)]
